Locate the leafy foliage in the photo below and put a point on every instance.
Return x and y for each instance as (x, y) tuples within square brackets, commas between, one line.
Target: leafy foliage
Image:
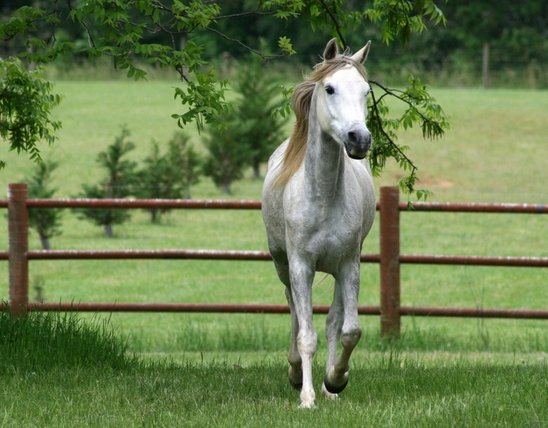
[(175, 34), (123, 39), (203, 98), (402, 18), (421, 109), (26, 103)]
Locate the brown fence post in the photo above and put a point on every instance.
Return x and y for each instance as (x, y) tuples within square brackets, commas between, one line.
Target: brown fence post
[(18, 230), (390, 261)]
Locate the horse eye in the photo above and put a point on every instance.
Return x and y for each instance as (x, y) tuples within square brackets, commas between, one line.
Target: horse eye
[(330, 89)]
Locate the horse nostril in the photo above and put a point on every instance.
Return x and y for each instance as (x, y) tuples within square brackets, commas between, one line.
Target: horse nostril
[(352, 137), (359, 137)]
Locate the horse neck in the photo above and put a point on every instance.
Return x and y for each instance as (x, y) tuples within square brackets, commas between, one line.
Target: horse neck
[(324, 163)]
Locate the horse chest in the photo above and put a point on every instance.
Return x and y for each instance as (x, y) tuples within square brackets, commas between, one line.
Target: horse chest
[(324, 237)]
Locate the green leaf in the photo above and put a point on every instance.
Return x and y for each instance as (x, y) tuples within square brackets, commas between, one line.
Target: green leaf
[(285, 45), (26, 105)]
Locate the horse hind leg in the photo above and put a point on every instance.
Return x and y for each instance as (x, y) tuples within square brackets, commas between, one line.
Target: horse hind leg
[(295, 373)]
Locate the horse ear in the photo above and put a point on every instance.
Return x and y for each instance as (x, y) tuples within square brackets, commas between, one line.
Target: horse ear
[(331, 50), (361, 55)]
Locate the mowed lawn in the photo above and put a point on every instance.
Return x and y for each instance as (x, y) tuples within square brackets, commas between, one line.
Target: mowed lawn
[(496, 152)]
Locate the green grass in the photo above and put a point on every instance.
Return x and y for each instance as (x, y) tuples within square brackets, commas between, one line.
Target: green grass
[(62, 371), (44, 341), (176, 395), (229, 369), (391, 390)]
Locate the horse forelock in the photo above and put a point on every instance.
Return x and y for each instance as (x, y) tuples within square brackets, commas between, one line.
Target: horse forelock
[(300, 101)]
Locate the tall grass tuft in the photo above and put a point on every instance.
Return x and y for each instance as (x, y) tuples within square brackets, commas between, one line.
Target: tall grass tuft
[(42, 341)]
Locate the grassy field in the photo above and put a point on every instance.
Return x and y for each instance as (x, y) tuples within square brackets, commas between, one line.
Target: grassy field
[(409, 394), (78, 375), (495, 153)]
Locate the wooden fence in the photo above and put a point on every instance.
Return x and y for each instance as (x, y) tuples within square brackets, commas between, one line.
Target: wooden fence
[(389, 258)]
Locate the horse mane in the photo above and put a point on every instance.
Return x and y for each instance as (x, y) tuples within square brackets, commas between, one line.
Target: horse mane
[(300, 101)]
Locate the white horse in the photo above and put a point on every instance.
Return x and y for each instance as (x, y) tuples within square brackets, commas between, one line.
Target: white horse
[(318, 207)]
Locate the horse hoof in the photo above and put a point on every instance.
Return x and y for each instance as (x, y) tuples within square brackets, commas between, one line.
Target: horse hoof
[(334, 389), (295, 379), (328, 395), (307, 405), (296, 385)]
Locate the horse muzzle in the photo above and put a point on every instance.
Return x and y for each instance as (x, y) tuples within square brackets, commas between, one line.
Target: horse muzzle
[(358, 143)]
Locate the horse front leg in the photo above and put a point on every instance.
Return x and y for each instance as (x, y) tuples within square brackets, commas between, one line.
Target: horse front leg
[(301, 294), (333, 327), (336, 377), (295, 373)]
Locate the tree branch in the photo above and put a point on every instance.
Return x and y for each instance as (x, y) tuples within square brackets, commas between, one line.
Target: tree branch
[(391, 92), (240, 15), (335, 22), (377, 115), (250, 49)]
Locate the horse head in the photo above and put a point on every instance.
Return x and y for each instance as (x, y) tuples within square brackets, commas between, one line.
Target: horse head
[(342, 101)]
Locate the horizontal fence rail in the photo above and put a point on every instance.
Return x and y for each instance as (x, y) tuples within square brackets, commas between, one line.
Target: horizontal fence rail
[(265, 256), (389, 257), (472, 207), (250, 308)]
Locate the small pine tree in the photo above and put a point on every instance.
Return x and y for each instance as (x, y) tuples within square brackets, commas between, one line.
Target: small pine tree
[(46, 221), (119, 183), (228, 154), (154, 180), (259, 98), (250, 133), (169, 176), (185, 162)]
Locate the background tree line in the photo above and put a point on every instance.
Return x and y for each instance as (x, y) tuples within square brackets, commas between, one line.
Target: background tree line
[(512, 36)]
